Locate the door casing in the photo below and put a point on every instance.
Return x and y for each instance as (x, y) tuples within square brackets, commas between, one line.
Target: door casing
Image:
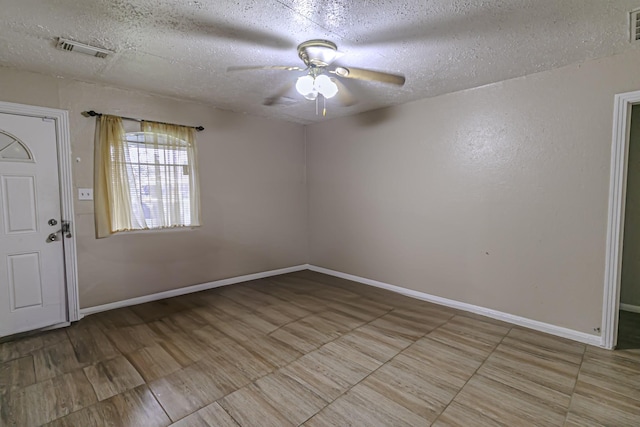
[(63, 141)]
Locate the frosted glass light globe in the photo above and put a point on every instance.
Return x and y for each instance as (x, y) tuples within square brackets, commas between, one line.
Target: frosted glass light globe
[(311, 96), (325, 86), (304, 85)]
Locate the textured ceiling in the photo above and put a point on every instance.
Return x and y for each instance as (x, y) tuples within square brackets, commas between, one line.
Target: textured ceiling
[(183, 48)]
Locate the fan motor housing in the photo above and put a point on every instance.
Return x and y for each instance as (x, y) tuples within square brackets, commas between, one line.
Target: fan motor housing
[(317, 53)]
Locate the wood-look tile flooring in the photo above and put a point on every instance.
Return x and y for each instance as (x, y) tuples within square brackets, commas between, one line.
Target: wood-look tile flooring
[(313, 350)]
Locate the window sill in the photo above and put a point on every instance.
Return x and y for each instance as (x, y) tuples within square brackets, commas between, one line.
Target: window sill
[(157, 230)]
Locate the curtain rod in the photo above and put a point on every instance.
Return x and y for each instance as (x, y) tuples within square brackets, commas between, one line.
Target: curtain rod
[(92, 113)]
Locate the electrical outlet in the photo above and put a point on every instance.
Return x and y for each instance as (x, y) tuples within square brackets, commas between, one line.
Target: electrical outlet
[(85, 193)]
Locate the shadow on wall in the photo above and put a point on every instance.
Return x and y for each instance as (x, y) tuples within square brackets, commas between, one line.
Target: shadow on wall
[(226, 120), (375, 117)]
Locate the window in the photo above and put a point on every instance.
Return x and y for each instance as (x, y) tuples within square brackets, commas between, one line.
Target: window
[(160, 185), (145, 180)]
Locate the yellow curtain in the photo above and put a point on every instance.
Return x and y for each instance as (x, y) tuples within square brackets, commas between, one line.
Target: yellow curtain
[(176, 162), (111, 198)]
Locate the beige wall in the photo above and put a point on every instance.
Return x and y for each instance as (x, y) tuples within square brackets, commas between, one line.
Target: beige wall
[(495, 196), (630, 287), (253, 193)]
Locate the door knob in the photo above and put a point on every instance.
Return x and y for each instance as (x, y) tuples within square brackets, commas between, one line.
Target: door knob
[(66, 230)]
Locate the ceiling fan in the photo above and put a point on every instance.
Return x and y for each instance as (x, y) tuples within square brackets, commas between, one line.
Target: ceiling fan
[(321, 80)]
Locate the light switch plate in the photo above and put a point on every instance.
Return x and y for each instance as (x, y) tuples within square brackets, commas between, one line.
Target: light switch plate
[(85, 193)]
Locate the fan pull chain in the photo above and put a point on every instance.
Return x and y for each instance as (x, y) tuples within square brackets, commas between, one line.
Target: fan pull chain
[(316, 106), (324, 107)]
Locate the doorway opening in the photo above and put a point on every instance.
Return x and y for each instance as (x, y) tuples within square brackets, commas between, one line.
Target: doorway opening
[(622, 123), (629, 313)]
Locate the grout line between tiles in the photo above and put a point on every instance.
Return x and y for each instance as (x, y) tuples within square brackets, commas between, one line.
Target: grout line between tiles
[(382, 363), (153, 393), (228, 413), (575, 385), (472, 375), (304, 354), (275, 367), (453, 314)]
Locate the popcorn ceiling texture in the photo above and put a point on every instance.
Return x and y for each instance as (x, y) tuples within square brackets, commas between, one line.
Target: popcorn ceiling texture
[(182, 48)]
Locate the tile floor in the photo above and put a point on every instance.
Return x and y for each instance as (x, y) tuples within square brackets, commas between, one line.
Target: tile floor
[(313, 350)]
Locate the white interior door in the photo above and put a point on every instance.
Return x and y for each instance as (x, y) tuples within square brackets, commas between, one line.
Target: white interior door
[(32, 275)]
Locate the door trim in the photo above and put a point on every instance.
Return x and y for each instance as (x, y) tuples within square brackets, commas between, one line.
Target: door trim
[(615, 224), (61, 119)]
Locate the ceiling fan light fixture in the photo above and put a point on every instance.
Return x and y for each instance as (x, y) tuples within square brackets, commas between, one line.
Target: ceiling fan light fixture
[(309, 86), (311, 96), (306, 87), (304, 84), (320, 79), (325, 86)]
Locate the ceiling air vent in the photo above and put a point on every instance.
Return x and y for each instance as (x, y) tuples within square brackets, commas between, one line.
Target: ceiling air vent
[(71, 46), (635, 25)]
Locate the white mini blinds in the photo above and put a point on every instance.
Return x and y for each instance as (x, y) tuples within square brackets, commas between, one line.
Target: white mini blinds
[(145, 180)]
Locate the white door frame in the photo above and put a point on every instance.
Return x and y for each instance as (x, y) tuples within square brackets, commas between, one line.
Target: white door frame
[(61, 118), (615, 226)]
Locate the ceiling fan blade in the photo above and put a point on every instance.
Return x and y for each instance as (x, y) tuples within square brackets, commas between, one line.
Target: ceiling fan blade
[(344, 95), (370, 75), (279, 94), (265, 67)]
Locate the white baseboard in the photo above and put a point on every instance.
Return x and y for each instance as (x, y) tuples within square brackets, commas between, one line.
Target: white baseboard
[(56, 326), (189, 289), (494, 314), (629, 307)]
